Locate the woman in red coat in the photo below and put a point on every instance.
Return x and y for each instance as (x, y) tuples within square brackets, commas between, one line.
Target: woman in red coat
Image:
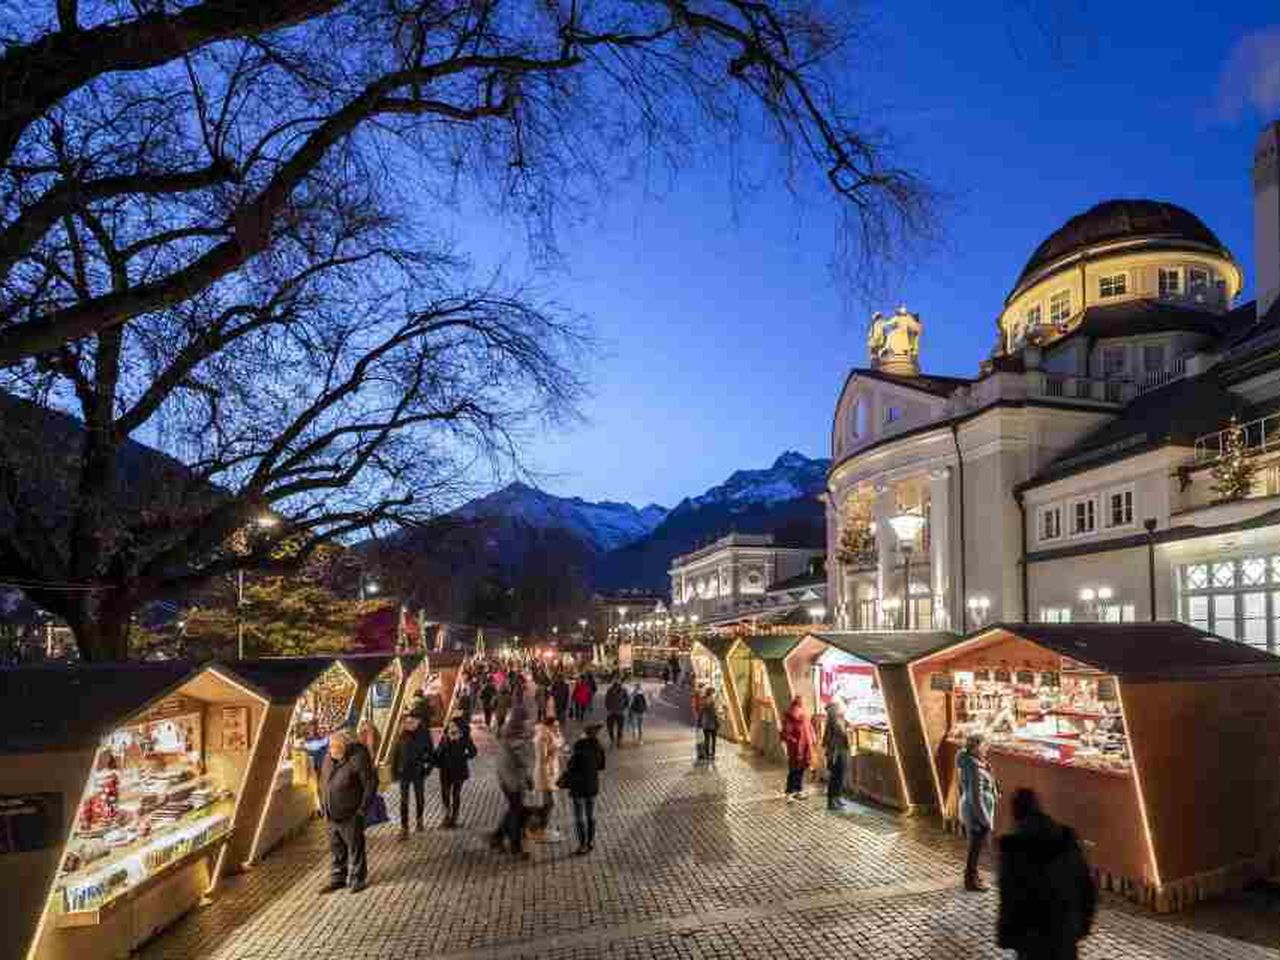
[(581, 698), (797, 736)]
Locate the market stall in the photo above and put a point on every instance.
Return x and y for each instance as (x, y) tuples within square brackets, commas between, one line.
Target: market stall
[(412, 670), (708, 661), (370, 669), (310, 697), (120, 785), (444, 670), (1157, 743), (865, 675), (765, 694)]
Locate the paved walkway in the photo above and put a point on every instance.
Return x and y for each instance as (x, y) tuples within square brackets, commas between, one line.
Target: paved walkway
[(690, 862)]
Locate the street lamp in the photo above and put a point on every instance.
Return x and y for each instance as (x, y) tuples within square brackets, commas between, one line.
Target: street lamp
[(978, 607), (906, 527)]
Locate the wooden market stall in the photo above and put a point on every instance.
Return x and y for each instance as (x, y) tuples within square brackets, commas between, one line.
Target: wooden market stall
[(865, 674), (370, 669), (444, 670), (708, 660), (412, 671), (120, 785), (1158, 743), (310, 697), (757, 669)]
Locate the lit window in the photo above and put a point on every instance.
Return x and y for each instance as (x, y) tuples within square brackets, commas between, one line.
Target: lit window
[(1033, 317), (1253, 572), (1050, 523), (1197, 283), (1060, 306), (1224, 574), (1083, 517), (1253, 619), (1055, 614), (1120, 508), (1224, 615), (1170, 282), (1197, 577), (1115, 285)]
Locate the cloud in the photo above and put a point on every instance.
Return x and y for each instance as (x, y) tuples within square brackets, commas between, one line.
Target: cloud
[(1250, 77)]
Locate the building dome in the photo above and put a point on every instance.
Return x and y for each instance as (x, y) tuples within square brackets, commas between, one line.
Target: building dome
[(1118, 220)]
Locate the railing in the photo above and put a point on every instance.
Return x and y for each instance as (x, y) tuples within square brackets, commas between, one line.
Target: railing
[(1260, 436), (1074, 387), (1155, 379)]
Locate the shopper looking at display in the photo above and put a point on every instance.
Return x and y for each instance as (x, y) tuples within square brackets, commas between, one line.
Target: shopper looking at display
[(835, 741), (978, 795), (797, 737), (347, 783), (1047, 896)]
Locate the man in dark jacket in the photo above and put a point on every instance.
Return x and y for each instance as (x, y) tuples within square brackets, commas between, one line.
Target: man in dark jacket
[(410, 763), (1047, 896), (582, 777), (560, 694), (347, 784), (615, 708)]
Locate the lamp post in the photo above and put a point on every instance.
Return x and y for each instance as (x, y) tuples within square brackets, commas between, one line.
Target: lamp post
[(906, 527)]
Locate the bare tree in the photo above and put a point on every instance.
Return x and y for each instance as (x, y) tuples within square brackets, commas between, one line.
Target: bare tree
[(205, 125)]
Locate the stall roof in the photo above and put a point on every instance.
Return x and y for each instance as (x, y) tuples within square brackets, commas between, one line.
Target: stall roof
[(771, 646), (366, 666), (719, 646), (281, 679), (446, 658), (409, 662), (60, 707), (1160, 649), (887, 648)]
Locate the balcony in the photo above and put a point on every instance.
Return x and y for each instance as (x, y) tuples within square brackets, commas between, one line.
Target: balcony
[(1260, 436)]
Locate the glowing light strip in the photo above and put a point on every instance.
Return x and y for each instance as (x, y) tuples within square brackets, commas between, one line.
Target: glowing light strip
[(1137, 785), (735, 701), (257, 742), (894, 742), (397, 705), (271, 794), (924, 732)]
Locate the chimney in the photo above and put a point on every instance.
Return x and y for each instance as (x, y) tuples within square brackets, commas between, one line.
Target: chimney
[(1266, 217)]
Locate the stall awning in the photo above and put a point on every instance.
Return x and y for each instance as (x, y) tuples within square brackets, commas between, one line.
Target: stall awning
[(771, 646), (409, 662), (718, 647), (280, 679), (366, 666), (900, 646), (1160, 650), (73, 707)]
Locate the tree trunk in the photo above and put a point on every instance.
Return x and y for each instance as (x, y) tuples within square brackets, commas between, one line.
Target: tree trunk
[(101, 627)]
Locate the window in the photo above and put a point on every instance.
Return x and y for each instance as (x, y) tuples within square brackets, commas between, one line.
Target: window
[(857, 420), (1115, 285), (1119, 508), (1055, 614), (1050, 523), (1060, 306), (1033, 317), (1112, 361), (1083, 517), (1116, 613), (892, 413), (1153, 358), (1197, 283), (1170, 282), (1236, 599)]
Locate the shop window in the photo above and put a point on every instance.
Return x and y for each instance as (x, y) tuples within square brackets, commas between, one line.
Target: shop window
[(1083, 517), (1050, 523), (1170, 282), (1120, 508), (1115, 285), (1236, 599), (1060, 306)]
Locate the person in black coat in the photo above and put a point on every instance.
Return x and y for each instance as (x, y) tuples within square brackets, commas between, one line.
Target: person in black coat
[(452, 759), (410, 763), (582, 778), (347, 784), (1047, 896)]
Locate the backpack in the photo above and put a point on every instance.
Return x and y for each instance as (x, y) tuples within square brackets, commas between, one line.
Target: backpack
[(639, 704)]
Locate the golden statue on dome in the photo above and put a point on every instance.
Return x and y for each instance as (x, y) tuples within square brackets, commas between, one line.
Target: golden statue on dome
[(894, 342)]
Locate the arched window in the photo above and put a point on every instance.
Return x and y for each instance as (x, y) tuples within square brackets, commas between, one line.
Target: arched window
[(858, 419)]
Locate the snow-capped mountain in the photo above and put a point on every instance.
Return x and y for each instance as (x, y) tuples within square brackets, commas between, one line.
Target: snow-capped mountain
[(605, 525), (792, 476)]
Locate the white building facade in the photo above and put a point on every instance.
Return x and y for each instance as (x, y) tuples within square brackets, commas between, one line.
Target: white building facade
[(1080, 474), (733, 576)]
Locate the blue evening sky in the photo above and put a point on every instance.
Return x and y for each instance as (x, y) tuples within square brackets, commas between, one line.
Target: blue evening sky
[(726, 335)]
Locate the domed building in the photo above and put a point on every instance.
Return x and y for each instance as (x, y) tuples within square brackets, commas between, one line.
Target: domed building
[(1090, 469)]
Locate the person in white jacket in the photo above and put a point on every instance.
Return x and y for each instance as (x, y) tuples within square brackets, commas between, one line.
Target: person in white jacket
[(548, 742)]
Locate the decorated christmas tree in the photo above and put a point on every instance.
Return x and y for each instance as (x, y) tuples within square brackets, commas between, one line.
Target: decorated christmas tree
[(1233, 470), (857, 541)]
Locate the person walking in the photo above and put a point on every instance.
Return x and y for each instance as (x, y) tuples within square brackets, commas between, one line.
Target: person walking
[(547, 744), (347, 784), (673, 667), (978, 796), (502, 706), (514, 778), (488, 698), (452, 759), (708, 721), (560, 694), (410, 763), (592, 689), (636, 709), (581, 697), (835, 742), (582, 778), (797, 737), (615, 708), (1047, 896)]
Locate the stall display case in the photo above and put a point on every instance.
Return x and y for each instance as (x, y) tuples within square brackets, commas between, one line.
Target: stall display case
[(310, 697), (865, 675), (160, 794), (1101, 720)]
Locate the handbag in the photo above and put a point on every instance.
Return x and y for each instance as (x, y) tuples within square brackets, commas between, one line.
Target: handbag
[(376, 812)]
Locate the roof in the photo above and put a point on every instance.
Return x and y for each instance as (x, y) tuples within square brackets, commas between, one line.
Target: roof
[(57, 707), (1131, 318), (1177, 413), (409, 662), (929, 383), (718, 646), (366, 666), (771, 646), (280, 679), (901, 646), (1114, 220), (1163, 649)]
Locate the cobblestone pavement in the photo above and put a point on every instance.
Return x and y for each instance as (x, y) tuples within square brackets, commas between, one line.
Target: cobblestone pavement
[(690, 862)]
